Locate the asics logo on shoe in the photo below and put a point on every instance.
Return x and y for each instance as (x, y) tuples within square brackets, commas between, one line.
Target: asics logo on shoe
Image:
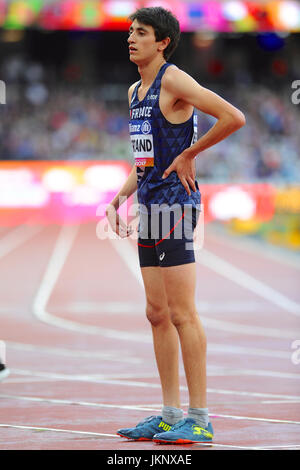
[(161, 257), (165, 426), (200, 431)]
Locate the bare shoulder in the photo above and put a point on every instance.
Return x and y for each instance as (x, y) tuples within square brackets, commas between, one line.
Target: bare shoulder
[(130, 90), (176, 80)]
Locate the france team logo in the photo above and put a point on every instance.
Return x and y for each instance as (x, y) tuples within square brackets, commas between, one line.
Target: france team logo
[(146, 127)]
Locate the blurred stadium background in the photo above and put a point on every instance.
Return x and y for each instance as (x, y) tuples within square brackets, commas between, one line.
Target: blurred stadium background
[(64, 141)]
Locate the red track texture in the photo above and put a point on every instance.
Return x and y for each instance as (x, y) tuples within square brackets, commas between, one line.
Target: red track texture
[(80, 353)]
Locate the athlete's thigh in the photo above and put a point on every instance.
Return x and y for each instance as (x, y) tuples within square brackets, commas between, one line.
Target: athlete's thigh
[(155, 291), (180, 285)]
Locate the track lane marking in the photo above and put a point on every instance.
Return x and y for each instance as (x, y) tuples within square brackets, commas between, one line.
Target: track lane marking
[(293, 446), (121, 355), (140, 384), (40, 428), (129, 255), (56, 262), (112, 355), (245, 280), (134, 308), (211, 372), (58, 257), (140, 408), (17, 237), (255, 247), (126, 251), (69, 431)]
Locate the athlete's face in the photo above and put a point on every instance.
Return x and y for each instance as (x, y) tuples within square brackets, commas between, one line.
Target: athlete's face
[(142, 43)]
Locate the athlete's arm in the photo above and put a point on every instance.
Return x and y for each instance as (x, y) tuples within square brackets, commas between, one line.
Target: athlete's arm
[(130, 185), (115, 221), (229, 119), (128, 188)]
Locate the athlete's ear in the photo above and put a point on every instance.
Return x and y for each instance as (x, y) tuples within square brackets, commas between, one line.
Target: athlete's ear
[(164, 44)]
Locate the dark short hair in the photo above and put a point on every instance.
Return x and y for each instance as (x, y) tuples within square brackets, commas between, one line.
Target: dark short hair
[(164, 23)]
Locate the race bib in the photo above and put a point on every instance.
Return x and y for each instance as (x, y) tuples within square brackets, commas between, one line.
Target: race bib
[(142, 144)]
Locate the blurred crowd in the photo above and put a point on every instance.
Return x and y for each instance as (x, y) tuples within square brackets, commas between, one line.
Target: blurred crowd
[(44, 123), (62, 125), (266, 148)]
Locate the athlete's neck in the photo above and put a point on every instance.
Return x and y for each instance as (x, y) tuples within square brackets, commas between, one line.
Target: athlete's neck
[(148, 71)]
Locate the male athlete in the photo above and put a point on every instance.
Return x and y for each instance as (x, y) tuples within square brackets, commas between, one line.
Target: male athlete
[(163, 134)]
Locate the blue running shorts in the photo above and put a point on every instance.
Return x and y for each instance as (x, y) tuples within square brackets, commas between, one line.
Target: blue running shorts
[(166, 238)]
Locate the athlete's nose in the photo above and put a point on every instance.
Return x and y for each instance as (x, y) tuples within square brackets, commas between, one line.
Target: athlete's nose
[(130, 38)]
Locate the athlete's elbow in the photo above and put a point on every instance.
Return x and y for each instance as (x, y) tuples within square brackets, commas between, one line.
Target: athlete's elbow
[(233, 121), (238, 120)]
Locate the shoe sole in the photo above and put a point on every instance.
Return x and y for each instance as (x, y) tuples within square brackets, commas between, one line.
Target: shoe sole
[(5, 373), (134, 438), (179, 441)]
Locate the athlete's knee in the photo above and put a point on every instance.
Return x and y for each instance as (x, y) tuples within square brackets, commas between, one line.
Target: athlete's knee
[(182, 316), (156, 314)]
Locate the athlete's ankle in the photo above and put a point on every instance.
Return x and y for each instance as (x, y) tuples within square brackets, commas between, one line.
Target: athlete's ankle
[(171, 414)]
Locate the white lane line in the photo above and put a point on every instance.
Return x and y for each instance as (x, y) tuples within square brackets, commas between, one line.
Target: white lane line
[(112, 355), (226, 446), (277, 402), (139, 408), (60, 253), (135, 308), (230, 349), (27, 380), (88, 433), (129, 256), (74, 402), (255, 247), (252, 394), (245, 280), (57, 260), (130, 383), (40, 428), (124, 356), (96, 379), (292, 446), (250, 418), (252, 372), (240, 402), (243, 329), (17, 237), (213, 371)]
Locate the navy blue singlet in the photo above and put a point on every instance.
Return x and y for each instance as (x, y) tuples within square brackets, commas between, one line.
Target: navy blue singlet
[(156, 143)]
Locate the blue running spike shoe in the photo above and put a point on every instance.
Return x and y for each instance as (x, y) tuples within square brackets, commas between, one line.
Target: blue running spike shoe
[(187, 431), (145, 430)]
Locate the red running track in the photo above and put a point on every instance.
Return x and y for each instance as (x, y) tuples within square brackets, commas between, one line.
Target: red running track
[(80, 352)]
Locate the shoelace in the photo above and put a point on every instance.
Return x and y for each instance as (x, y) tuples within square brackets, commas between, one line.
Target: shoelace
[(180, 424), (146, 420)]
